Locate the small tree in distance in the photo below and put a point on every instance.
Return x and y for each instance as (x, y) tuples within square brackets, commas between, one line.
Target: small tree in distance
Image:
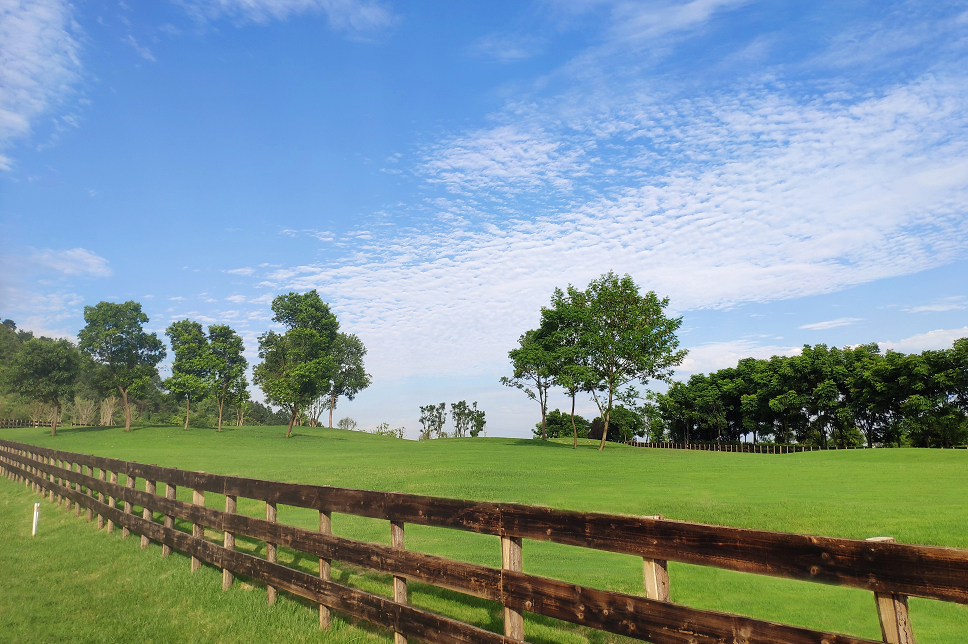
[(432, 419), (227, 373)]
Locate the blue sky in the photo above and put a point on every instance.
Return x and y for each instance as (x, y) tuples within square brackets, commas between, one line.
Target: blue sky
[(785, 172)]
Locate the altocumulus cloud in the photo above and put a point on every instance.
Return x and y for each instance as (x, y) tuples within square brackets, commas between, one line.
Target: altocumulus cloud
[(751, 195), (76, 261), (39, 64), (354, 16)]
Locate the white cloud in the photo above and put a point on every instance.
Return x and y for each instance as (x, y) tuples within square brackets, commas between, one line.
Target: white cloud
[(77, 261), (237, 299), (143, 51), (353, 16), (39, 64), (505, 48), (829, 324), (750, 196), (719, 355), (937, 339), (947, 304), (241, 271)]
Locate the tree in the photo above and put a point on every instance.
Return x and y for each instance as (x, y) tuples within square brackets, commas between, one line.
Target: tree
[(115, 338), (297, 365), (432, 419), (624, 337), (227, 366), (532, 363), (561, 425), (350, 377), (192, 365), (468, 419), (45, 370)]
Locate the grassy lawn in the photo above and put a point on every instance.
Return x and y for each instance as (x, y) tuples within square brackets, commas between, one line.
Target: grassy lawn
[(72, 584)]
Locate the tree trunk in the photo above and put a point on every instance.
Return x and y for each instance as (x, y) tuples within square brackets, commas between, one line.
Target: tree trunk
[(127, 409), (543, 401), (53, 421), (221, 404), (332, 406), (188, 408), (573, 426), (608, 413), (292, 419)]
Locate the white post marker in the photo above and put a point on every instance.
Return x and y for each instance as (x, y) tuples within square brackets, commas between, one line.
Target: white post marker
[(36, 518)]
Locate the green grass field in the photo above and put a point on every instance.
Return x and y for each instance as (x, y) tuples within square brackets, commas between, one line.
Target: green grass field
[(73, 584)]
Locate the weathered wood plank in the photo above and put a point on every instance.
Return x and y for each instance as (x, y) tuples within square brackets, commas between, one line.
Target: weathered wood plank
[(146, 510), (228, 542), (270, 551), (511, 560), (399, 583), (198, 531), (325, 567)]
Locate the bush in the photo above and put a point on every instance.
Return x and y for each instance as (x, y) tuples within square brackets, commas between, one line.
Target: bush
[(558, 425), (623, 425)]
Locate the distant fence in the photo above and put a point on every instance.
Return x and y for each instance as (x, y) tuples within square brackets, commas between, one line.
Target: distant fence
[(18, 422), (748, 448), (892, 571)]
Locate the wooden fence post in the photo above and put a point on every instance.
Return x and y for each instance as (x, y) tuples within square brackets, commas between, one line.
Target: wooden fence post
[(146, 512), (169, 521), (78, 488), (90, 493), (198, 498), (50, 477), (112, 501), (270, 552), (399, 583), (102, 475), (129, 483), (228, 541), (511, 559), (325, 527), (655, 575), (892, 612)]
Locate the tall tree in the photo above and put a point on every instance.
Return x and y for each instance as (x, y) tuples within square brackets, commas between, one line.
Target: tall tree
[(625, 337), (297, 365), (227, 366), (350, 376), (561, 326), (115, 337), (192, 366), (44, 370), (532, 364)]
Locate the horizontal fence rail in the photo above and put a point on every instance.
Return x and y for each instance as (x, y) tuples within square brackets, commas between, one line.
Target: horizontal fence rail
[(751, 448), (890, 570)]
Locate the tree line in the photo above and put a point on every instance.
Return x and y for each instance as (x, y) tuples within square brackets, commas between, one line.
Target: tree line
[(468, 420), (825, 396), (305, 370)]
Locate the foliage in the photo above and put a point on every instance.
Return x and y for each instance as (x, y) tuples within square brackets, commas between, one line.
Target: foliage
[(115, 338), (347, 423), (468, 419), (192, 366), (532, 364), (559, 425), (432, 419), (624, 426), (226, 367), (350, 376), (825, 396), (383, 429), (297, 366), (45, 371)]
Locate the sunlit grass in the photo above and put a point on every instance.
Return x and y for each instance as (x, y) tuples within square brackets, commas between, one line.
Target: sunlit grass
[(120, 593)]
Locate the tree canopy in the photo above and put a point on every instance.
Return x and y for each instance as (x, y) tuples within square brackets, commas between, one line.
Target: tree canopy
[(192, 366), (350, 376), (297, 366), (44, 370), (227, 367), (115, 338)]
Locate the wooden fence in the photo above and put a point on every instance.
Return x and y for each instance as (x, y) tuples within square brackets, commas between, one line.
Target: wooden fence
[(19, 422), (747, 448), (891, 571)]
